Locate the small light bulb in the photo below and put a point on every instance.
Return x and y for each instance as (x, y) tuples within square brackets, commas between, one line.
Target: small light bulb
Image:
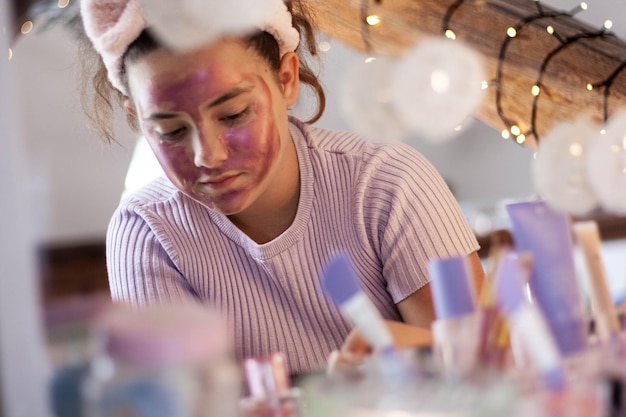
[(372, 20), (26, 27), (370, 59), (535, 90), (63, 3), (439, 81), (608, 24), (515, 130), (520, 139), (450, 34), (505, 134), (583, 5), (324, 46), (589, 86), (576, 149), (511, 32), (484, 85), (603, 131), (550, 30)]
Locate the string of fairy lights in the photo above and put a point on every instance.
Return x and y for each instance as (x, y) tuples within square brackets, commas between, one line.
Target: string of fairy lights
[(49, 13), (513, 129)]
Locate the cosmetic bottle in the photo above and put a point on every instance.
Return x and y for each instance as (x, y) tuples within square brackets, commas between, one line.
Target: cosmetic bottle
[(534, 347), (270, 393), (495, 340), (71, 348), (546, 234), (342, 285), (162, 361), (457, 328)]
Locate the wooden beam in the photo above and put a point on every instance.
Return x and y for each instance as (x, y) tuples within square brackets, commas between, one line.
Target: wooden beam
[(589, 59)]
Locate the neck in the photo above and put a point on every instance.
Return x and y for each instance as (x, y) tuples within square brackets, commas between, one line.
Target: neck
[(270, 216), (266, 224)]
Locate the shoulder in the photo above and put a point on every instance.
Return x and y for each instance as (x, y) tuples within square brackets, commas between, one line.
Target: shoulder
[(353, 145), (330, 141), (159, 198), (160, 190)]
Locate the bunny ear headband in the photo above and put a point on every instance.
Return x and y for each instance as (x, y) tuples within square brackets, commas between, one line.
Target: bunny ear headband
[(112, 25)]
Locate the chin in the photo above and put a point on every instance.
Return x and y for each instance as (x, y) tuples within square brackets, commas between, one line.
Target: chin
[(229, 208)]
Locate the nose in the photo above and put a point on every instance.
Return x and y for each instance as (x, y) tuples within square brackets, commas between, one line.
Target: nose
[(209, 149)]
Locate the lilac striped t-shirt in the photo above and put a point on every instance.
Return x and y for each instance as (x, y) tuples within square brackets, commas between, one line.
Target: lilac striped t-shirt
[(384, 205)]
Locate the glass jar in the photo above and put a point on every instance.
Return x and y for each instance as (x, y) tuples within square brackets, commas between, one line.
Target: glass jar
[(162, 361)]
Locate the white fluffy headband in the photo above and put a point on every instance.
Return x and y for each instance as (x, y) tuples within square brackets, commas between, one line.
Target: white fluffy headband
[(112, 25)]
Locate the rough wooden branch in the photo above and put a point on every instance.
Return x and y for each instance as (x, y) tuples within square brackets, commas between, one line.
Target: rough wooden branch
[(483, 25)]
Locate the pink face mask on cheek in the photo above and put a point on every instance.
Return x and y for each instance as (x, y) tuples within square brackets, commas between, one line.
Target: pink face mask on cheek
[(253, 148), (177, 163)]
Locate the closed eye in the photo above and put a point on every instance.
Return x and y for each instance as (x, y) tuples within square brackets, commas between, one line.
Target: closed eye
[(173, 134), (235, 117)]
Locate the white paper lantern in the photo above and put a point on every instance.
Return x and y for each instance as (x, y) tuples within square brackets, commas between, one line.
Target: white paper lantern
[(559, 170), (436, 86), (365, 100), (606, 164)]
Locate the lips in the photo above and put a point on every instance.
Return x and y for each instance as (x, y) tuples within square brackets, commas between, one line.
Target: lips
[(222, 181)]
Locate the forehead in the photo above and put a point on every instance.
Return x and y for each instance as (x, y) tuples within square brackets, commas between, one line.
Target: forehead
[(218, 65)]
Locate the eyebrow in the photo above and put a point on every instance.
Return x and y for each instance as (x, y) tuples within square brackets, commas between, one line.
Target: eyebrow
[(229, 95)]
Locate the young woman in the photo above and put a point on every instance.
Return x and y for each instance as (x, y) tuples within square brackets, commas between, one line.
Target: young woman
[(255, 202)]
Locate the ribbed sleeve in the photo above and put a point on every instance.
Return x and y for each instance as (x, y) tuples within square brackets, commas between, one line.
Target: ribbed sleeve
[(385, 206)]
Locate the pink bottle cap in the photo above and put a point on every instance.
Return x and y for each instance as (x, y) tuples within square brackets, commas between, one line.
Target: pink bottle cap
[(267, 375), (162, 335)]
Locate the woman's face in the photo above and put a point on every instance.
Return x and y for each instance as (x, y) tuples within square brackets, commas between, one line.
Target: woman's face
[(217, 121)]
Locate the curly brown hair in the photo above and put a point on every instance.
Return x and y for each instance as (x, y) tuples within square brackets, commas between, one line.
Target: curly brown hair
[(100, 99)]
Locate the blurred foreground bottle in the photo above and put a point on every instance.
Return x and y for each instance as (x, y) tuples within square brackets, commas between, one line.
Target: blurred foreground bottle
[(163, 361), (270, 393)]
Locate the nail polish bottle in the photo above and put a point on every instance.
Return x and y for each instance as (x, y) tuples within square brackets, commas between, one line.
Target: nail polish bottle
[(270, 393)]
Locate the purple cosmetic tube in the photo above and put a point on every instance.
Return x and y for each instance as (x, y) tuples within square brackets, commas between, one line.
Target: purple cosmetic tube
[(529, 330), (546, 235), (457, 328)]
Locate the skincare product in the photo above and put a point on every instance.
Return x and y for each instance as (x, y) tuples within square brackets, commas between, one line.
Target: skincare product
[(457, 328), (546, 234), (341, 284), (269, 390), (162, 361), (527, 323)]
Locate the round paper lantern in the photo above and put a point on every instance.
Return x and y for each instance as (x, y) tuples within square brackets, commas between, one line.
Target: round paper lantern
[(436, 86), (559, 170), (365, 100), (606, 164)]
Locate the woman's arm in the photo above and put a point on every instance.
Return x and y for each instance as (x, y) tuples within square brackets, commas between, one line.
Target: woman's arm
[(418, 313), (140, 270), (418, 309)]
